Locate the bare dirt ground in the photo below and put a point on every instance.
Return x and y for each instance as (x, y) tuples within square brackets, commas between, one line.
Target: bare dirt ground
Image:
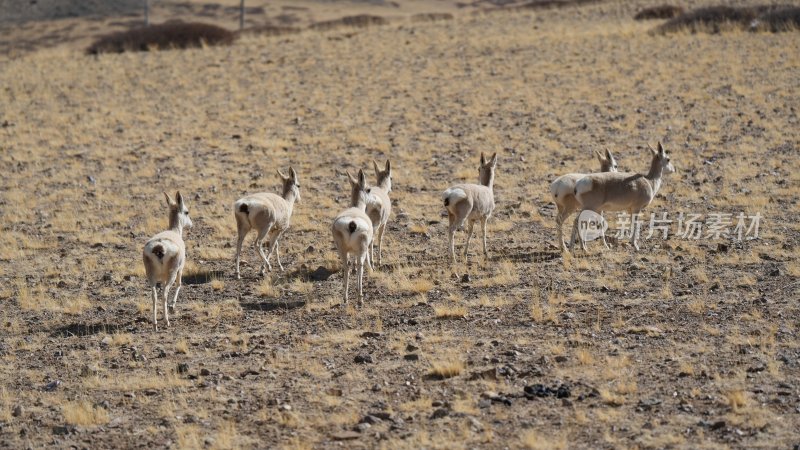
[(687, 343)]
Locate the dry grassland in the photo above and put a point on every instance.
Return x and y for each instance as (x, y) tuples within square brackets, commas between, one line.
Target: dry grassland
[(686, 343)]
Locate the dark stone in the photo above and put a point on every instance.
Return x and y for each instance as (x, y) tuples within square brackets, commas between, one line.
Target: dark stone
[(439, 413), (321, 274), (364, 358), (411, 357), (183, 368)]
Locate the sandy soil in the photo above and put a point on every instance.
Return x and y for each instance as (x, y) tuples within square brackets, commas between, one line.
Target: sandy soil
[(687, 343)]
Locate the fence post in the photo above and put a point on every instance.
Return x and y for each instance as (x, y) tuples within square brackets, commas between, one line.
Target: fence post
[(241, 15)]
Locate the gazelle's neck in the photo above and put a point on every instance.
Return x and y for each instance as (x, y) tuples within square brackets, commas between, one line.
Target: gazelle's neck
[(488, 181), (654, 175), (175, 222), (290, 195)]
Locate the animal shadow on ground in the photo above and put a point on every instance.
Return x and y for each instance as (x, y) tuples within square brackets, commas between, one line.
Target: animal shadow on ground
[(202, 277), (86, 329)]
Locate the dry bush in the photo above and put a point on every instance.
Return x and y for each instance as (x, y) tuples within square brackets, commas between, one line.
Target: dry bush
[(716, 19), (712, 20), (164, 36), (659, 12), (431, 17), (271, 30), (784, 19), (359, 21)]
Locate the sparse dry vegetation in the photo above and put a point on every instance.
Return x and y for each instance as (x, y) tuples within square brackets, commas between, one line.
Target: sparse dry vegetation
[(166, 36), (688, 343)]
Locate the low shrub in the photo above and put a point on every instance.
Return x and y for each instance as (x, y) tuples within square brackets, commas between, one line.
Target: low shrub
[(659, 12), (168, 35)]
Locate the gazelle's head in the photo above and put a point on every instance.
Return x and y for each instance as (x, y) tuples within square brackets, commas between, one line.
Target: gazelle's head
[(178, 212), (607, 161), (661, 160), (486, 170), (384, 176), (358, 188), (290, 184)]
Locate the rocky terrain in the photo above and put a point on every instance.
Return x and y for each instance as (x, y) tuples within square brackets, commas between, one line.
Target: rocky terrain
[(691, 342)]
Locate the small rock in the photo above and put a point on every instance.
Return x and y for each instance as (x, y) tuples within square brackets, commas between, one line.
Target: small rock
[(383, 415), (362, 427), (345, 436), (52, 386), (371, 334), (718, 425), (17, 411), (465, 278), (369, 419), (88, 371), (561, 358), (205, 372), (411, 357), (475, 424), (183, 368), (106, 341), (321, 274), (411, 348), (439, 413), (364, 358)]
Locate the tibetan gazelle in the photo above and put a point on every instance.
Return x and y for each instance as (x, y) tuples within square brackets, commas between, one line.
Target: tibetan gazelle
[(352, 234), (563, 191), (623, 191), (471, 203), (164, 255), (270, 215)]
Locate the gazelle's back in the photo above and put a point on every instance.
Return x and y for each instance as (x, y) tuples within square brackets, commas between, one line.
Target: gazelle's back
[(264, 206), (480, 197), (613, 191)]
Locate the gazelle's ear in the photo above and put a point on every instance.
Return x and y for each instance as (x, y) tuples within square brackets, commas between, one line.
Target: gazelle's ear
[(599, 156), (493, 161), (169, 200), (483, 160), (609, 155), (179, 198), (280, 174), (351, 178), (652, 150), (660, 148), (377, 170), (362, 179), (388, 166), (293, 173)]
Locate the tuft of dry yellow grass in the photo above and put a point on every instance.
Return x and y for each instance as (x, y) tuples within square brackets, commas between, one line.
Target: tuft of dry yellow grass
[(84, 413)]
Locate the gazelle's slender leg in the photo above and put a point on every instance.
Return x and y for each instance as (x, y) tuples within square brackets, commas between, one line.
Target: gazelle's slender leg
[(179, 280), (380, 242), (469, 235), (259, 243), (360, 262), (155, 308), (483, 228), (346, 270)]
